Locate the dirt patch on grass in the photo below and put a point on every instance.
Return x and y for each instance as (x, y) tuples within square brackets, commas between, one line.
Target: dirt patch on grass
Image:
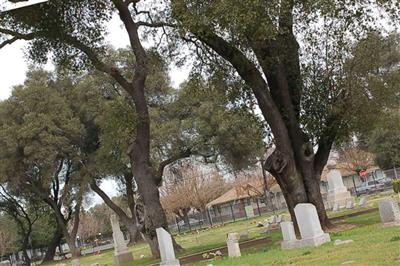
[(341, 227)]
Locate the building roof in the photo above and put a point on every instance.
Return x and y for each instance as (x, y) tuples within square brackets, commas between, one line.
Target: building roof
[(344, 171), (241, 191), (252, 189)]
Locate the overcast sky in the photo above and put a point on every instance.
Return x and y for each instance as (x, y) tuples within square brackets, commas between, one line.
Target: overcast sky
[(13, 67)]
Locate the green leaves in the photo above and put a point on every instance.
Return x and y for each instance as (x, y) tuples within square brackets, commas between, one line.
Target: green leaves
[(396, 186), (37, 128), (383, 139), (216, 127)]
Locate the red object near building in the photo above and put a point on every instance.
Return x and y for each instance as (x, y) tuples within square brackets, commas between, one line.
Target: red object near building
[(363, 173)]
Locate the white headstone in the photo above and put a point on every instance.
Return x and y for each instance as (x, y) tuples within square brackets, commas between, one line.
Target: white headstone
[(337, 192), (289, 236), (309, 225), (389, 212), (166, 248), (335, 181), (335, 206), (121, 253), (350, 204), (232, 242), (5, 263), (363, 201), (118, 237), (249, 211)]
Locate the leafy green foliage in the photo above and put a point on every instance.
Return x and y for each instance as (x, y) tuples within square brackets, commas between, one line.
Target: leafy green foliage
[(357, 92), (8, 236), (395, 238), (37, 128), (214, 125), (396, 186), (202, 118), (82, 19), (382, 138)]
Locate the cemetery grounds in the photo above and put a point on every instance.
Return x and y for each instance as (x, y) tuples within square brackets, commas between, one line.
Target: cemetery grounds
[(373, 245)]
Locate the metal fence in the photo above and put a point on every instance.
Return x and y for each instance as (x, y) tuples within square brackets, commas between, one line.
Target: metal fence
[(234, 211), (241, 209)]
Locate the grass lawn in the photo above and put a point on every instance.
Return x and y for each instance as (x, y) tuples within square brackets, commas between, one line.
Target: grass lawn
[(372, 245)]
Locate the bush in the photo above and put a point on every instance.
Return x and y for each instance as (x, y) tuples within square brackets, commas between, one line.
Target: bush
[(395, 238), (396, 186)]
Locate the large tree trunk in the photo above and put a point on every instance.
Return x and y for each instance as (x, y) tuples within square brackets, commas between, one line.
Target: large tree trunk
[(25, 241), (134, 233), (27, 259), (315, 197), (277, 84), (130, 222), (153, 216), (52, 247), (75, 252), (25, 245), (297, 186)]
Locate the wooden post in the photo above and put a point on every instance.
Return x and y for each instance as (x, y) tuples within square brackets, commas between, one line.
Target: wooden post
[(220, 215), (209, 217), (188, 221), (373, 178), (232, 212), (177, 224), (258, 207), (245, 213), (354, 184)]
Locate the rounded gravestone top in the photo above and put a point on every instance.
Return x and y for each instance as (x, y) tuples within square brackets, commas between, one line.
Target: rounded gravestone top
[(334, 175), (331, 166)]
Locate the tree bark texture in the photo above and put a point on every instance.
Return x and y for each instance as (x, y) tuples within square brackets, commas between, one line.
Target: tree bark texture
[(277, 86), (129, 221), (52, 246)]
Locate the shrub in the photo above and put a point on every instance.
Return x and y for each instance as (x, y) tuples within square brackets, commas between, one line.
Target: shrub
[(396, 185), (395, 238)]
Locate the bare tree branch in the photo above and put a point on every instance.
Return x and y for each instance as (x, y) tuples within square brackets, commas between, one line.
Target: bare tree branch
[(16, 36), (158, 24)]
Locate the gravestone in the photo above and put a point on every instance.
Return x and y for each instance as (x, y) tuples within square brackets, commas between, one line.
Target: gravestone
[(389, 212), (249, 211), (121, 253), (5, 263), (166, 248), (289, 236), (232, 242), (350, 204), (244, 235), (337, 192), (335, 207), (363, 202), (309, 226)]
